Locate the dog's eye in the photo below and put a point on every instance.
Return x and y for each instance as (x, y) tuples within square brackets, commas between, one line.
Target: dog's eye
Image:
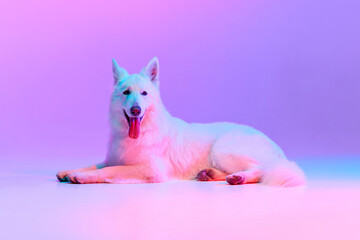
[(144, 93), (126, 92)]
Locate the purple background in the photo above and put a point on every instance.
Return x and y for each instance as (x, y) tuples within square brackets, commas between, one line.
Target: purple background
[(288, 68)]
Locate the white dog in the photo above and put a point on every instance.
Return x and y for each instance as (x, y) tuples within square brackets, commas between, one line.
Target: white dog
[(148, 145)]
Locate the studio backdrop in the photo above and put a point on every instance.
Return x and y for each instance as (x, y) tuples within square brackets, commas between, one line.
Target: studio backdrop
[(288, 68)]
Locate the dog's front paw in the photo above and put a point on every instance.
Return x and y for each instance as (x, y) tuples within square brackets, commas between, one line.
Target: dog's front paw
[(82, 178), (62, 176)]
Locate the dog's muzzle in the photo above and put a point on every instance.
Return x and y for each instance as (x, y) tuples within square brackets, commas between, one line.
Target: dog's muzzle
[(134, 122)]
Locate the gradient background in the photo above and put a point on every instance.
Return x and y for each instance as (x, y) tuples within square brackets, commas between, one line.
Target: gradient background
[(288, 68)]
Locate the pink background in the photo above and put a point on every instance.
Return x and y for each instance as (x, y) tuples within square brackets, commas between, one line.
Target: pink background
[(288, 68)]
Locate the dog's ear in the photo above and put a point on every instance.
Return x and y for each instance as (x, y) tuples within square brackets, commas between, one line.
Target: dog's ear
[(119, 73), (152, 71)]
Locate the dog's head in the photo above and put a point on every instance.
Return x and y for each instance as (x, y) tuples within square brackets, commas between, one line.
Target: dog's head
[(134, 95)]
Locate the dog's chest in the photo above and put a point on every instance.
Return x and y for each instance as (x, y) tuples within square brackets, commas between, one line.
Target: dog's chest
[(131, 153)]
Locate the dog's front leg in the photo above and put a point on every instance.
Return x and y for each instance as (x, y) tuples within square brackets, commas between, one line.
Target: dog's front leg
[(143, 173), (62, 176)]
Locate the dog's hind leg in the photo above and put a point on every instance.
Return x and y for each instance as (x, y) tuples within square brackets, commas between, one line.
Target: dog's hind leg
[(244, 156), (210, 174), (253, 175)]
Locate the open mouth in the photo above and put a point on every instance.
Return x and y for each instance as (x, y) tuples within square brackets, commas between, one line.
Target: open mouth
[(134, 125)]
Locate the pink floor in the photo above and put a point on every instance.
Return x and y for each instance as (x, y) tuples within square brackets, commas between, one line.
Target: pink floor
[(33, 205)]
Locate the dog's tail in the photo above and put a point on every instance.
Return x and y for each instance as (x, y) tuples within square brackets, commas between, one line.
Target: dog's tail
[(284, 174)]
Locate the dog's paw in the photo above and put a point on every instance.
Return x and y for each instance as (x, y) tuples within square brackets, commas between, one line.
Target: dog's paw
[(78, 178), (83, 178), (62, 176), (235, 179), (205, 175)]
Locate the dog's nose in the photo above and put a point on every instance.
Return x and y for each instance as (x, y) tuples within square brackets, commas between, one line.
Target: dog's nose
[(135, 110)]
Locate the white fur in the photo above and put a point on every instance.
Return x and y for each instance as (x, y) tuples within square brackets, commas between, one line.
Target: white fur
[(169, 148)]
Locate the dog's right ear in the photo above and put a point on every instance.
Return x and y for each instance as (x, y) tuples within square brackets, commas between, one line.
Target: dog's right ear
[(119, 73)]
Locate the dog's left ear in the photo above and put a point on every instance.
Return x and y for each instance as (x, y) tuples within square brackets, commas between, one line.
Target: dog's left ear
[(152, 71)]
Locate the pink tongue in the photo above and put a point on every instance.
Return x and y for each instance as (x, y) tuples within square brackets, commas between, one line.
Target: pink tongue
[(134, 130)]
